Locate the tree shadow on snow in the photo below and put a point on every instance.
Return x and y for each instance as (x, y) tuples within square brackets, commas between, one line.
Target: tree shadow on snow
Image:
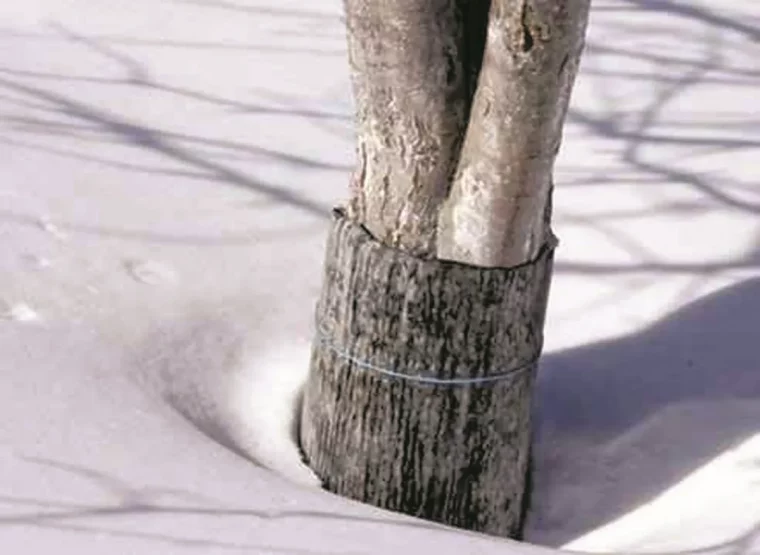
[(79, 125), (139, 512), (620, 421)]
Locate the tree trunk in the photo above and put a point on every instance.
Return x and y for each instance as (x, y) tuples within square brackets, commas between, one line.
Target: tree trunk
[(413, 73), (437, 275), (498, 210), (419, 395)]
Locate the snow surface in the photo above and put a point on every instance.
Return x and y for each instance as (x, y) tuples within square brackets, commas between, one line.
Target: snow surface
[(167, 171)]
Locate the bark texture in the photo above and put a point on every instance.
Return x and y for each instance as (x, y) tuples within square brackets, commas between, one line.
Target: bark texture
[(418, 398), (378, 426), (496, 214), (414, 69)]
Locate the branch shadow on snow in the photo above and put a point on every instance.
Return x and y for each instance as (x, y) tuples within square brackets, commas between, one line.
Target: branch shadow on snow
[(662, 133), (316, 17), (46, 112), (169, 145), (621, 421), (153, 504), (702, 14), (331, 35)]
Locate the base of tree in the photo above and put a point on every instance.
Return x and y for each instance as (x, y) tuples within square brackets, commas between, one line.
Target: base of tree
[(419, 393)]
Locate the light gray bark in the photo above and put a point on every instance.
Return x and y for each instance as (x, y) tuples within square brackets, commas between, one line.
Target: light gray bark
[(496, 212), (413, 75)]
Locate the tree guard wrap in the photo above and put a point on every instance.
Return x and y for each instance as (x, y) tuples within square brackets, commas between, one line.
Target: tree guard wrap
[(419, 391)]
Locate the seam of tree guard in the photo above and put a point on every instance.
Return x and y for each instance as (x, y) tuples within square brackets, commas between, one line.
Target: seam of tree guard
[(426, 380)]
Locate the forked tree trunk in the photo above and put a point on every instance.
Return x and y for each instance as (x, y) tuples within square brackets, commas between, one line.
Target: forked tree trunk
[(498, 210), (437, 275), (414, 71)]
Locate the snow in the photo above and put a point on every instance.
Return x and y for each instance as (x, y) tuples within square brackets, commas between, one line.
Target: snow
[(167, 172)]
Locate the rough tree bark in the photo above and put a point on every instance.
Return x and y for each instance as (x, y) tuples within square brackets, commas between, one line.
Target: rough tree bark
[(437, 273), (413, 76), (497, 212)]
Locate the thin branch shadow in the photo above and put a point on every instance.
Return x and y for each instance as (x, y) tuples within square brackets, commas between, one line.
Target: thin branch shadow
[(152, 501), (700, 13), (137, 75), (254, 236), (168, 145), (206, 45), (317, 17)]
